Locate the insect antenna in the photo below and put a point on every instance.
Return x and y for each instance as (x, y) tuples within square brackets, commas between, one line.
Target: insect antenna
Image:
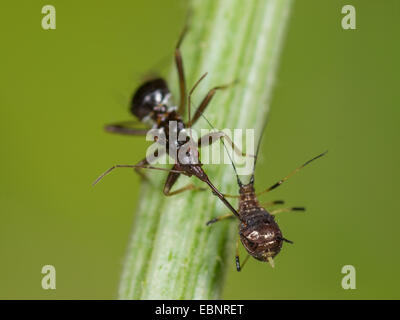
[(291, 174), (190, 97), (132, 166), (240, 183), (258, 149), (189, 123)]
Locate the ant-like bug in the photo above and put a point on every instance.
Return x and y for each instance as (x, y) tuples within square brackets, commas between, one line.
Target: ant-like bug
[(258, 231), (150, 104)]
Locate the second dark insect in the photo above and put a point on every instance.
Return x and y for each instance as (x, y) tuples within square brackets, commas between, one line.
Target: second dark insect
[(151, 104)]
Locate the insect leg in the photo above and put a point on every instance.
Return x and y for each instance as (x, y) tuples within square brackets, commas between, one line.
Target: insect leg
[(203, 105), (142, 163), (273, 212), (210, 138), (225, 216), (286, 240), (172, 178), (231, 196), (181, 73), (272, 203), (237, 260), (124, 129), (129, 166)]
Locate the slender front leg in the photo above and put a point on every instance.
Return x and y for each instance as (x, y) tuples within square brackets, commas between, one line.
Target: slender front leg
[(142, 163), (124, 129), (210, 138), (206, 101), (231, 196), (181, 74), (130, 166), (225, 216), (171, 179)]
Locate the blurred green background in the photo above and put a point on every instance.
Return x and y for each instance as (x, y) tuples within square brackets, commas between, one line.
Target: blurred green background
[(336, 89)]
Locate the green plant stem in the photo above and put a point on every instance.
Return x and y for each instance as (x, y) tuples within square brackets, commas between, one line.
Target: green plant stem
[(172, 254)]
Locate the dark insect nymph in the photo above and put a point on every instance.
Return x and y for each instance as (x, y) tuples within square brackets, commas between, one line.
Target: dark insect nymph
[(258, 230), (151, 105)]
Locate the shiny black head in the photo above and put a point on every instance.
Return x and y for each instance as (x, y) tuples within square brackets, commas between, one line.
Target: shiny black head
[(150, 96)]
